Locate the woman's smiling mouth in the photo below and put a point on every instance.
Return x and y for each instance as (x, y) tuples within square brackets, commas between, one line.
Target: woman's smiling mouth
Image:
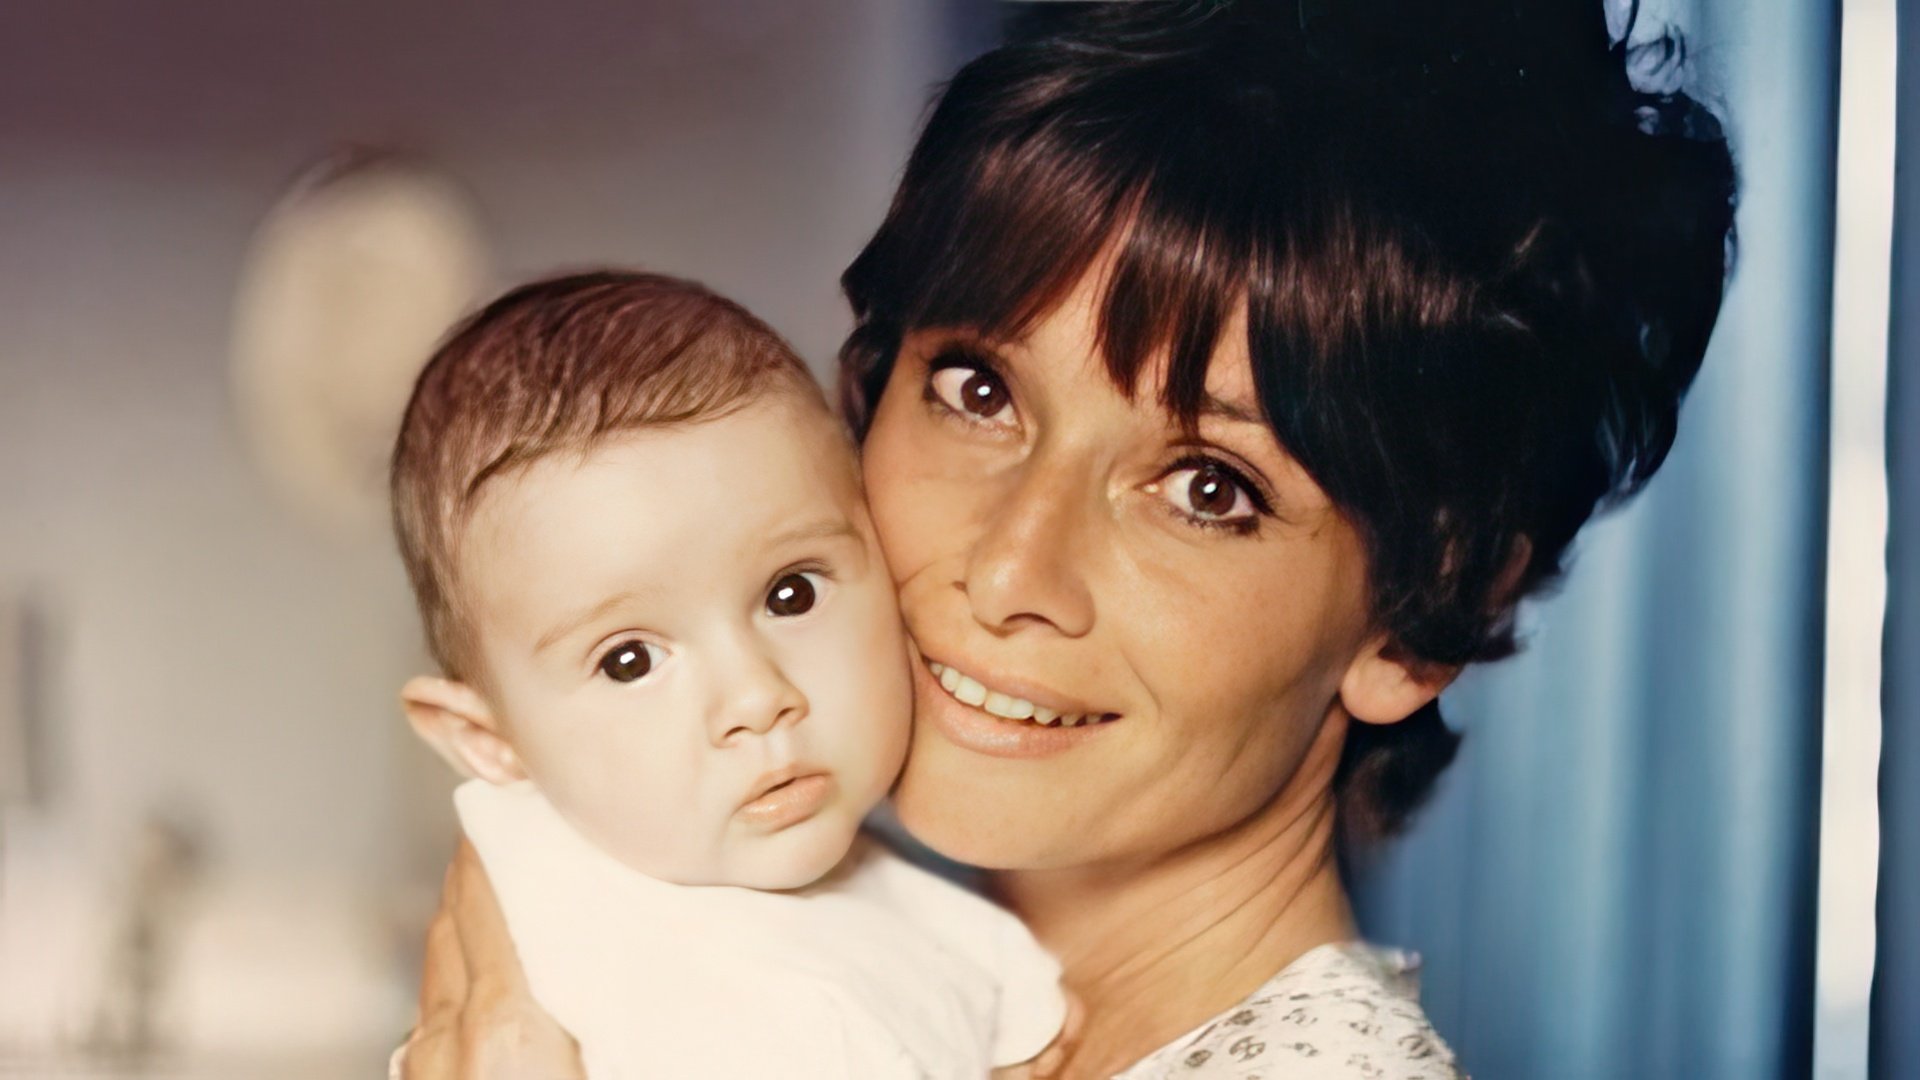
[(972, 692), (995, 721)]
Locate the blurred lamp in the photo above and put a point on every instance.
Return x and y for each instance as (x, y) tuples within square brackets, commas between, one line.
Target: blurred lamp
[(350, 282)]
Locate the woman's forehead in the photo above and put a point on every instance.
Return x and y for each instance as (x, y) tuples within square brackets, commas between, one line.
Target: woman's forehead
[(1069, 342)]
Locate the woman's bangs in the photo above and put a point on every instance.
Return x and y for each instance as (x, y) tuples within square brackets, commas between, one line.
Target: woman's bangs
[(1033, 221), (1180, 270), (1026, 223)]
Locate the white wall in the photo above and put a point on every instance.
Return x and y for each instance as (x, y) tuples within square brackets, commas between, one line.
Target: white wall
[(215, 653)]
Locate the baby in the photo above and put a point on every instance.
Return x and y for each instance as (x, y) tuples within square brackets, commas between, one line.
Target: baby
[(672, 658)]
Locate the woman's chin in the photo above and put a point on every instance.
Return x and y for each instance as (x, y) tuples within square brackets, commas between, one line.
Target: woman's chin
[(947, 805), (952, 838)]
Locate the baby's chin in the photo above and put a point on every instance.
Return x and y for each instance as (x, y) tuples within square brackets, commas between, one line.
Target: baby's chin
[(790, 872), (790, 859)]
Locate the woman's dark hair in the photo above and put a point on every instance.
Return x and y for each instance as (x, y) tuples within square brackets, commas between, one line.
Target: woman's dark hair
[(1480, 270)]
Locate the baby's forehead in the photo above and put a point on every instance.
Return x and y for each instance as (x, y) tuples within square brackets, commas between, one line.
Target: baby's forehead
[(736, 484), (774, 436)]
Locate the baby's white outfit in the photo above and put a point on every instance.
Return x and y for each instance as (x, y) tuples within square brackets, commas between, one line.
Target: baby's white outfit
[(879, 970)]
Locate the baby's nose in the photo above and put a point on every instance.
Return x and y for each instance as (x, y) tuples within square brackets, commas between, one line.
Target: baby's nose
[(756, 701)]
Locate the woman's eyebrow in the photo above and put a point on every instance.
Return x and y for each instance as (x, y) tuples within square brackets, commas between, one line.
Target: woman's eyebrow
[(965, 335), (969, 341), (1230, 410)]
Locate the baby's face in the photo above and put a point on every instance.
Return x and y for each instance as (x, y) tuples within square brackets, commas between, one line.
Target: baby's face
[(692, 644)]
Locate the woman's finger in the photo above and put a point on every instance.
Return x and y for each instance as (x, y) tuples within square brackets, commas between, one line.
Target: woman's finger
[(1054, 1058), (485, 945), (514, 1043), (426, 1056), (1075, 1022), (431, 1048), (443, 974), (503, 1033)]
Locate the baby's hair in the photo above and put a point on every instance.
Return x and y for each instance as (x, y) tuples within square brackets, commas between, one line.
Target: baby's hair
[(552, 366)]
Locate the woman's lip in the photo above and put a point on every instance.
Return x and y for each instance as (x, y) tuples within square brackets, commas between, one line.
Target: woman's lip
[(1018, 688), (786, 797), (973, 729)]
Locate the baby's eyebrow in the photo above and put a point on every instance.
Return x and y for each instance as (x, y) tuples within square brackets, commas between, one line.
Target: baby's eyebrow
[(816, 530), (575, 622)]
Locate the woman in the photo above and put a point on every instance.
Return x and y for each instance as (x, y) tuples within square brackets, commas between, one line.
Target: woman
[(1227, 374)]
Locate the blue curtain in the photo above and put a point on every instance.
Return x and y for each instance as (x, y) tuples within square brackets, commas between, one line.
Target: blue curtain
[(1895, 1040), (1618, 876)]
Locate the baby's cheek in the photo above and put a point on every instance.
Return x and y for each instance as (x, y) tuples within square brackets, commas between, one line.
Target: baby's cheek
[(651, 809), (859, 656), (870, 726), (887, 681)]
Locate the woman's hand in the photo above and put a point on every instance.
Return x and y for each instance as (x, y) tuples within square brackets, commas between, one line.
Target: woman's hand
[(478, 1021)]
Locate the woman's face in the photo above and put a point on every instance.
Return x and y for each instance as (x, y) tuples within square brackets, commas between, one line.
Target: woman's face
[(1062, 548)]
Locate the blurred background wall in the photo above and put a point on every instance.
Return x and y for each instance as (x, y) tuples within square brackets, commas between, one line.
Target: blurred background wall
[(205, 660)]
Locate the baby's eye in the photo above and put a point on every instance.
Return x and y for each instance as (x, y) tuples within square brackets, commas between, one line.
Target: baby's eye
[(972, 391), (792, 594), (630, 661)]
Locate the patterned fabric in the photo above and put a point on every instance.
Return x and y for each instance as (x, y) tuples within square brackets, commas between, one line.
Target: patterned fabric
[(1346, 1011)]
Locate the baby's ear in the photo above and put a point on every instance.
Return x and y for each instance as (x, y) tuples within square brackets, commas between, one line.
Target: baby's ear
[(455, 720)]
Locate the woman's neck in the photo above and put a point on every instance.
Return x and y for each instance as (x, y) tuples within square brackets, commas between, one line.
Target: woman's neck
[(1154, 948)]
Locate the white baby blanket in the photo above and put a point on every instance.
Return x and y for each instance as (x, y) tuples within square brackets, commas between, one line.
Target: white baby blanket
[(880, 970)]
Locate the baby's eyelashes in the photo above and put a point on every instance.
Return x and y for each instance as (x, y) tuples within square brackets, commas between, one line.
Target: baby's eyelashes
[(630, 661), (794, 593)]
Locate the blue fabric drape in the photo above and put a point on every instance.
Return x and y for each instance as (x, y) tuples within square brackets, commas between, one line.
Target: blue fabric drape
[(1618, 876), (1895, 1039)]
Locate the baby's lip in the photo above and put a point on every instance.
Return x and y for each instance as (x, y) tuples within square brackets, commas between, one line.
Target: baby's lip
[(778, 778), (786, 797)]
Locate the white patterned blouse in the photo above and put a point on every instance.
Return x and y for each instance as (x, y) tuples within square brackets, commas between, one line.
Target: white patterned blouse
[(1347, 1011)]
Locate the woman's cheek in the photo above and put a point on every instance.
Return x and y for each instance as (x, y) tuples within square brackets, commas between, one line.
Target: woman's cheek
[(903, 515), (919, 484)]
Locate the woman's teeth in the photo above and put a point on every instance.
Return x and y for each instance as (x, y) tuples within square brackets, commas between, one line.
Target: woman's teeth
[(970, 691)]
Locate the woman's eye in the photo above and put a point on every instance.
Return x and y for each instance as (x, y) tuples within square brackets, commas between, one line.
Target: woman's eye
[(629, 661), (792, 594), (973, 392), (1210, 493)]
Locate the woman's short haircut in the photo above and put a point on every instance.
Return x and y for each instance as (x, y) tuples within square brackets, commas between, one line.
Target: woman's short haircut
[(1480, 268), (556, 366)]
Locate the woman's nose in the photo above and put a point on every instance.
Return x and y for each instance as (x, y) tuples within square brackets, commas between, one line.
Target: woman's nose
[(1026, 566), (755, 696)]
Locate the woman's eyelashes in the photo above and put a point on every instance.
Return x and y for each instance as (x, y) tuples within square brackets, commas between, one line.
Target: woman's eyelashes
[(631, 660), (962, 383), (1211, 494)]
